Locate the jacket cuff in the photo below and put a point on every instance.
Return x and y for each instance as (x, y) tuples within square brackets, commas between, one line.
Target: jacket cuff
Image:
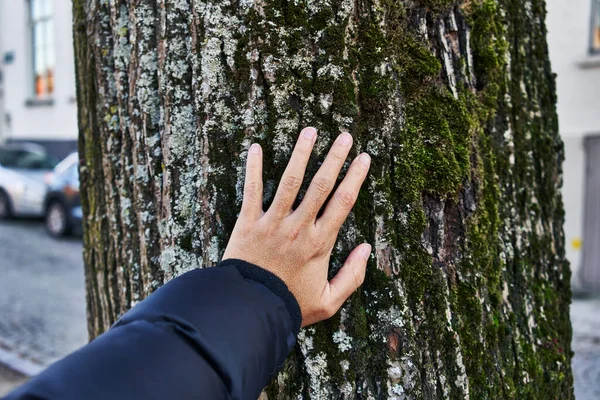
[(272, 282)]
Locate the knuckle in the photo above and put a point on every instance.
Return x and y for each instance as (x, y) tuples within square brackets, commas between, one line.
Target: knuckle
[(291, 182), (322, 185), (251, 188), (294, 233), (358, 277), (346, 198), (338, 154), (319, 243)]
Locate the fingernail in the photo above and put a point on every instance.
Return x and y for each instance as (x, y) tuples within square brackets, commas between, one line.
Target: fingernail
[(365, 251), (365, 159), (345, 139), (255, 148), (309, 133)]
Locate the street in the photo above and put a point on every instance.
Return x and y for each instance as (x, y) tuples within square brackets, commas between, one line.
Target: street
[(42, 293), (585, 317), (42, 306)]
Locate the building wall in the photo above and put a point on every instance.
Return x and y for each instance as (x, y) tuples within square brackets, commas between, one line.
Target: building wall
[(578, 86), (36, 121)]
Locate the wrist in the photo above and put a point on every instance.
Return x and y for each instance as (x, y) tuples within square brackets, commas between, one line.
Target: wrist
[(273, 283)]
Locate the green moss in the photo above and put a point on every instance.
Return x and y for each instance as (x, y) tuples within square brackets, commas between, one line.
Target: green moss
[(186, 243), (442, 125), (436, 6), (489, 50)]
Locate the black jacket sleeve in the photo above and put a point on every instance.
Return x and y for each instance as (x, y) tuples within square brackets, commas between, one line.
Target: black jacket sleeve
[(215, 333)]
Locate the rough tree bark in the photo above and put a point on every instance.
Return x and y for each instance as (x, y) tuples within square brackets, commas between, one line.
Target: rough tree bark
[(467, 293)]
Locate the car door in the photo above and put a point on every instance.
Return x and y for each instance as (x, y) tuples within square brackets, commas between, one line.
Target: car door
[(31, 168)]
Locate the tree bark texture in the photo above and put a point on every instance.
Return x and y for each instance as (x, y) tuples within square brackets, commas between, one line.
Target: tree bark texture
[(467, 292)]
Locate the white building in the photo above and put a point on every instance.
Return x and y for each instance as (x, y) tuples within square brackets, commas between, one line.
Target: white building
[(574, 44), (37, 86)]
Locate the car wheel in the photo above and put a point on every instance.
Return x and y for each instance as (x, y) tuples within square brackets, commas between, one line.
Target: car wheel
[(5, 211), (57, 223)]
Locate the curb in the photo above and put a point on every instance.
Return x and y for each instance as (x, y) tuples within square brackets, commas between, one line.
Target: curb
[(19, 364)]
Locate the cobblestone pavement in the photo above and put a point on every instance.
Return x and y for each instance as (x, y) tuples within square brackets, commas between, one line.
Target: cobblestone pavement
[(585, 317), (42, 293)]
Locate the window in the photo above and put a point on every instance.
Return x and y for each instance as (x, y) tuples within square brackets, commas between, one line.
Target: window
[(31, 160), (42, 34), (595, 35), (26, 159)]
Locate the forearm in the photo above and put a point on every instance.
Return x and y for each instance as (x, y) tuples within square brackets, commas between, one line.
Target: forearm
[(214, 333)]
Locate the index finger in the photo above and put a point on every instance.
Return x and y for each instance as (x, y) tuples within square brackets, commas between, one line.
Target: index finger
[(253, 184)]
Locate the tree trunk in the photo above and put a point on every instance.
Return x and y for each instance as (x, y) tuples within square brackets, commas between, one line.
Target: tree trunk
[(467, 293)]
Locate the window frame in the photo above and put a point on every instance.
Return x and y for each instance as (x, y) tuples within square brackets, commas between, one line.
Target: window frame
[(594, 48), (34, 46)]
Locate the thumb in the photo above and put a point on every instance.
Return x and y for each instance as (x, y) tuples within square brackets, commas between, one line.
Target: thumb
[(349, 277)]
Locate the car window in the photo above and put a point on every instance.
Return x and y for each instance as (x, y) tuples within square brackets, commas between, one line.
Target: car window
[(74, 172), (32, 160), (64, 167), (8, 158)]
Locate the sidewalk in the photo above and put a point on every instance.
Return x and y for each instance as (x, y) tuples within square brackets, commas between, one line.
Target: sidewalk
[(585, 317)]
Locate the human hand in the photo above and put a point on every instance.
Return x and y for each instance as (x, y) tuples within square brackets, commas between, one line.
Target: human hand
[(295, 245)]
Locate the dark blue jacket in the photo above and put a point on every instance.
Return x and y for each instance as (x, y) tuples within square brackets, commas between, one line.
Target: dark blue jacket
[(215, 333)]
